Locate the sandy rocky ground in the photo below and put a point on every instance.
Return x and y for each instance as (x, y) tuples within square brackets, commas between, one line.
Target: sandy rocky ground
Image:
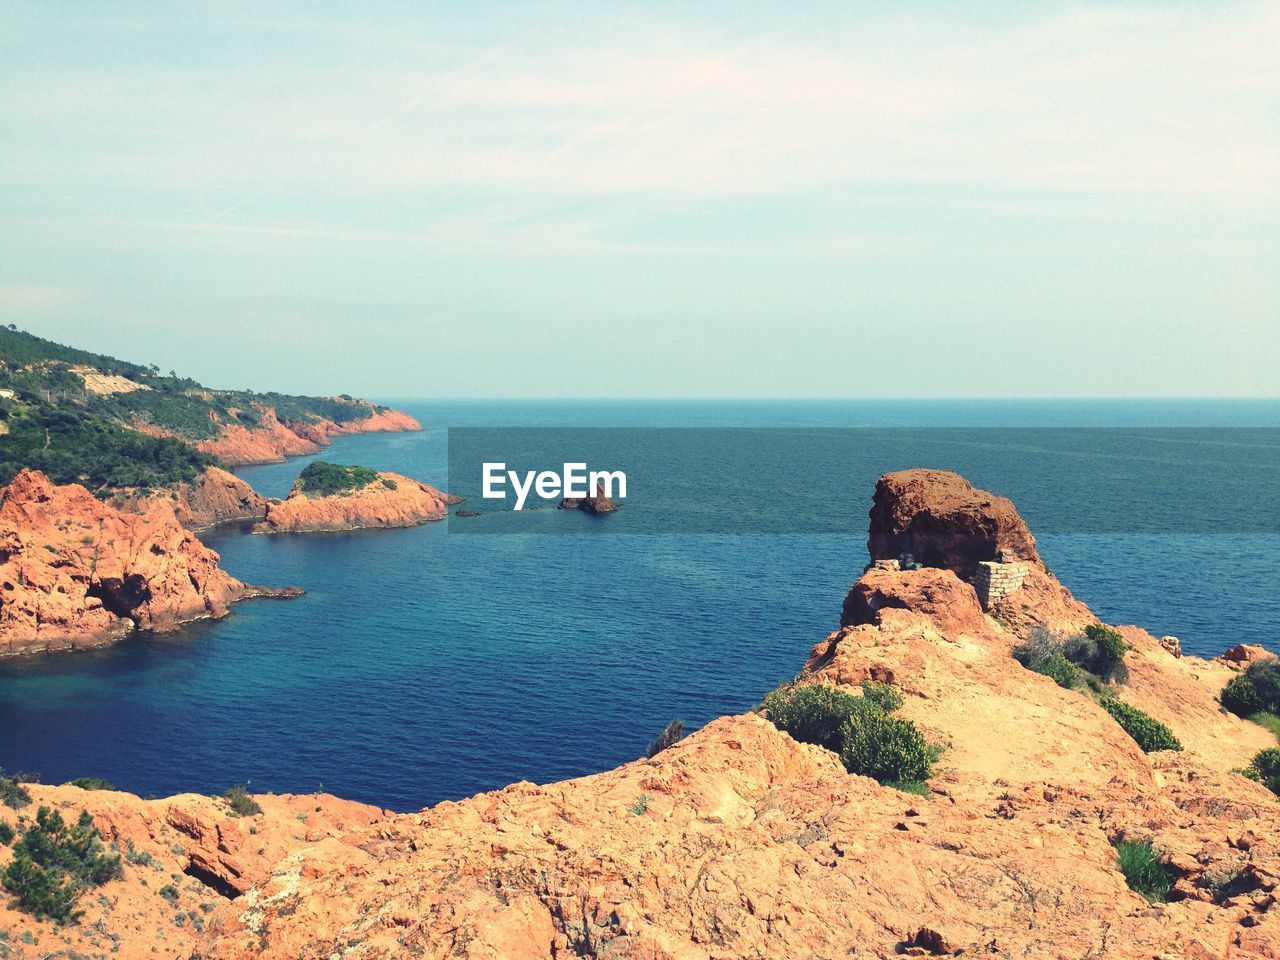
[(740, 842)]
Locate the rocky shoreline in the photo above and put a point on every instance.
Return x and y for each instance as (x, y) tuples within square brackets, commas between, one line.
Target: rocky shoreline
[(389, 501), (742, 842), (76, 572)]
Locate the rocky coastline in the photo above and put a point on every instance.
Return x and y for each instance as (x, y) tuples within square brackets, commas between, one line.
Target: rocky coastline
[(387, 501), (76, 572), (742, 842)]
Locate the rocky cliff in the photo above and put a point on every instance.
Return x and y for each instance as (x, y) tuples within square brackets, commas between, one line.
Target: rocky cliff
[(740, 842), (76, 572), (213, 497), (390, 500), (272, 439)]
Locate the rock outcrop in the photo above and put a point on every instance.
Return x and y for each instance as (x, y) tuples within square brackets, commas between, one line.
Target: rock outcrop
[(273, 439), (76, 572), (214, 497), (390, 501), (597, 503), (739, 842)]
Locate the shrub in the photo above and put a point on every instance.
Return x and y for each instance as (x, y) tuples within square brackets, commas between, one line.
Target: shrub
[(169, 892), (1240, 696), (814, 714), (1108, 661), (1149, 733), (12, 793), (90, 783), (6, 833), (242, 805), (55, 862), (869, 741), (1265, 768), (1043, 653), (671, 735), (323, 479), (882, 695), (885, 748), (1145, 871), (1265, 675)]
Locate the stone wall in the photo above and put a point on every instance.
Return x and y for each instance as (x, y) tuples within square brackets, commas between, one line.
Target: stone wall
[(995, 581)]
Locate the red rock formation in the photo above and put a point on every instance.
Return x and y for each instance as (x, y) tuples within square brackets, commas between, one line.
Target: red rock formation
[(214, 497), (273, 440), (598, 503), (739, 842), (938, 519), (941, 520), (76, 572), (390, 501)]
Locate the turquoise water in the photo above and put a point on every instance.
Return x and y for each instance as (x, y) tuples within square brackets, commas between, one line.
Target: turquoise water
[(422, 665)]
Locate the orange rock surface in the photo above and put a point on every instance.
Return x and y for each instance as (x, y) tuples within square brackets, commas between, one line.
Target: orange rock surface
[(740, 842), (273, 439), (76, 572), (214, 497), (389, 501)]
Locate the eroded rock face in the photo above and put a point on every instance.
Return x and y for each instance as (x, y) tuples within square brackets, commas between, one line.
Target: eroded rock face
[(390, 501), (937, 519), (193, 847), (941, 520), (273, 439), (76, 572), (214, 497)]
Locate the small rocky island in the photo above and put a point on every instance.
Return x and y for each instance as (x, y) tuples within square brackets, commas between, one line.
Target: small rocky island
[(331, 497), (597, 503)]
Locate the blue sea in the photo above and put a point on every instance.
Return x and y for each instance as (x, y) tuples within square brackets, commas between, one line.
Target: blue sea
[(423, 665)]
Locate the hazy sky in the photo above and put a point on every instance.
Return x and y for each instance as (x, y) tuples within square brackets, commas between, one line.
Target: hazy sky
[(662, 200)]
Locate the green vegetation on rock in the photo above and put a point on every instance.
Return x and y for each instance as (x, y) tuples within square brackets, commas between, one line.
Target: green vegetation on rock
[(242, 805), (55, 862), (869, 741), (1265, 768), (323, 479), (56, 424), (1145, 870), (1148, 732)]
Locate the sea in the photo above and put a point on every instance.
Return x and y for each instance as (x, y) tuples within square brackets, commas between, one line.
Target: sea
[(431, 663)]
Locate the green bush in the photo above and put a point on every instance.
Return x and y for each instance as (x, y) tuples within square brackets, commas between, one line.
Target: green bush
[(885, 748), (323, 479), (1265, 768), (869, 741), (6, 833), (1109, 664), (54, 863), (882, 695), (1061, 671), (813, 714), (672, 734), (1149, 733), (90, 783), (12, 793), (1145, 870), (1043, 653), (1241, 697), (242, 805)]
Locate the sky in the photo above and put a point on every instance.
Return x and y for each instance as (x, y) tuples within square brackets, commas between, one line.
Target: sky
[(649, 200)]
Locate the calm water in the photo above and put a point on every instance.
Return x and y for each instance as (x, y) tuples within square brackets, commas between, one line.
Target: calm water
[(422, 665)]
